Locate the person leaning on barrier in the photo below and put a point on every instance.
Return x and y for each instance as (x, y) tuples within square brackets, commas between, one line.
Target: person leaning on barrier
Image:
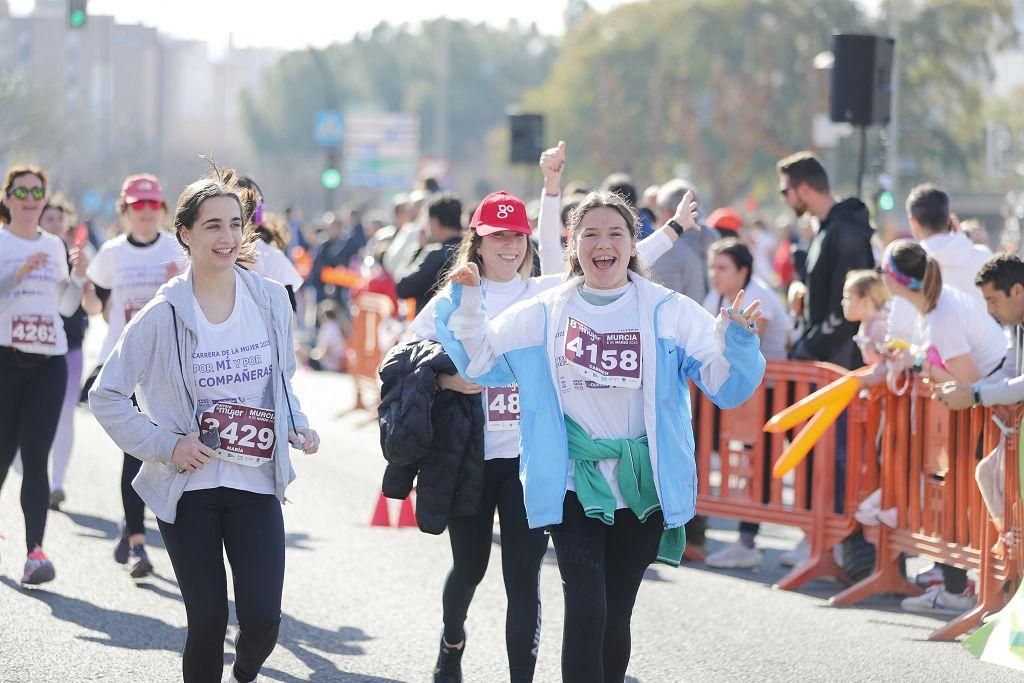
[(1001, 280)]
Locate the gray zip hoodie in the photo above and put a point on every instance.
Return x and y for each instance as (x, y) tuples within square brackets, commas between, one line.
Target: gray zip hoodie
[(146, 362)]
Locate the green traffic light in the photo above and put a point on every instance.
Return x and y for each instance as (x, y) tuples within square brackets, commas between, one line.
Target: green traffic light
[(886, 201), (331, 178), (77, 18)]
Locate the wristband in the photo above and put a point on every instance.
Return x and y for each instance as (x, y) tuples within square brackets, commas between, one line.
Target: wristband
[(675, 226), (918, 363)]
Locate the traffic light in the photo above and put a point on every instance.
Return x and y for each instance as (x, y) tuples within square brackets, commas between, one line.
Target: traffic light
[(77, 13), (330, 178), (886, 201)]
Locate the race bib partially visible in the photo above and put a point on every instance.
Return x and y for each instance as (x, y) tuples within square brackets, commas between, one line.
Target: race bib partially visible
[(131, 308), (611, 359), (502, 408), (246, 433), (33, 330)]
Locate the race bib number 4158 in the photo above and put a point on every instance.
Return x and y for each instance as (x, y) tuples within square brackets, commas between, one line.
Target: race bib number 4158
[(33, 330), (246, 433), (612, 359)]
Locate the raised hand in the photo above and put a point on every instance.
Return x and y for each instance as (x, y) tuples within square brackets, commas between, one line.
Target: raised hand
[(686, 212), (552, 162), (747, 317), (467, 276), (34, 261)]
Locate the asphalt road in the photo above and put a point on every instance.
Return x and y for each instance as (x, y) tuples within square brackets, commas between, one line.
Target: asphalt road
[(363, 603)]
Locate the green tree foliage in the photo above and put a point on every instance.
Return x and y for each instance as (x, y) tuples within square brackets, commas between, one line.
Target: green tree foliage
[(397, 68)]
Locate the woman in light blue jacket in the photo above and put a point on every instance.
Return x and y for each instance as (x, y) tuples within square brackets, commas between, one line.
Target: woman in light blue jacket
[(607, 464)]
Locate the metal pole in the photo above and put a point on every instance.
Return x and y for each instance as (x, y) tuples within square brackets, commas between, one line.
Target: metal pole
[(892, 160), (862, 160)]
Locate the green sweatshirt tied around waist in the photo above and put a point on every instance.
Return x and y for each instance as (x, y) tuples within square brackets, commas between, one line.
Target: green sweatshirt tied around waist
[(636, 482)]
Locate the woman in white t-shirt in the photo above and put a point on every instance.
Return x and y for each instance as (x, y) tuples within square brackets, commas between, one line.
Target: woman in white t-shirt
[(36, 289), (730, 269), (602, 363), (212, 358), (127, 272), (956, 340), (271, 261)]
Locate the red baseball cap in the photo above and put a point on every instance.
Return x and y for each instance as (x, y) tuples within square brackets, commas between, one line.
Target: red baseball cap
[(725, 218), (500, 211), (142, 186)]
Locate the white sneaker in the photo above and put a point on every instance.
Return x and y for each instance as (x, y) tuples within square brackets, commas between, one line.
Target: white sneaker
[(888, 517), (797, 555), (937, 600), (929, 577), (873, 501), (736, 555)]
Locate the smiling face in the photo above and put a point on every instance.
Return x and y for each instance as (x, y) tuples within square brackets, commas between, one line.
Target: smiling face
[(26, 211), (215, 238), (603, 244), (144, 217), (502, 254)]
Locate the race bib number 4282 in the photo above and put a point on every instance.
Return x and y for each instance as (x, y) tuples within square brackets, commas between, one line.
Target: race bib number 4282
[(609, 358), (246, 433), (33, 330)]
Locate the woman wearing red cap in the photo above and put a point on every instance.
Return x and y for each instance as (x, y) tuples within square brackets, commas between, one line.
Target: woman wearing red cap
[(127, 272), (36, 289), (498, 243)]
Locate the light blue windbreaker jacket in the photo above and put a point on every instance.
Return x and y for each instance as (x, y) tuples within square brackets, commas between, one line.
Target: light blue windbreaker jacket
[(680, 340)]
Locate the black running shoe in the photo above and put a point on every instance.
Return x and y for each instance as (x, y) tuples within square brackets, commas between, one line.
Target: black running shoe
[(449, 663), (140, 564)]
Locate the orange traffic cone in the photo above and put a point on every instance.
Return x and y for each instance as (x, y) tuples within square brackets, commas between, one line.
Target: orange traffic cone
[(407, 516), (381, 516)]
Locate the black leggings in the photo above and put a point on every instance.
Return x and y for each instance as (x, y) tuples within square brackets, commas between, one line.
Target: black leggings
[(30, 403), (601, 567), (522, 551), (250, 527), (134, 508)]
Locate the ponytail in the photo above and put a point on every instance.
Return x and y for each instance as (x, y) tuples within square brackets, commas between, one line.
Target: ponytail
[(932, 284)]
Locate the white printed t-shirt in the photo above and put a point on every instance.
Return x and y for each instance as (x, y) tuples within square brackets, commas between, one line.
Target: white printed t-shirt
[(133, 274), (959, 325), (233, 363), (272, 264), (603, 411), (501, 405), (31, 322)]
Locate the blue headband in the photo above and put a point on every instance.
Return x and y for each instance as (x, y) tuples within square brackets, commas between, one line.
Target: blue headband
[(912, 283)]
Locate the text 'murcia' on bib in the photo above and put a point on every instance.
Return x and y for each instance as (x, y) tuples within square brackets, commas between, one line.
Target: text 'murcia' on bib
[(502, 408), (246, 433), (610, 359)]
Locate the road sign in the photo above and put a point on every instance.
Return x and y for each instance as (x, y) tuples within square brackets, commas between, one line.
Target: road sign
[(381, 149), (329, 128)]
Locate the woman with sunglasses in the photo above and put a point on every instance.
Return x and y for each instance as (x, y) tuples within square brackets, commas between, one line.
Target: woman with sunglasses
[(36, 289), (211, 360), (127, 272)]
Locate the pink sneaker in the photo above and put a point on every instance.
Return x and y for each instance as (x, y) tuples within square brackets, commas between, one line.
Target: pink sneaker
[(38, 568)]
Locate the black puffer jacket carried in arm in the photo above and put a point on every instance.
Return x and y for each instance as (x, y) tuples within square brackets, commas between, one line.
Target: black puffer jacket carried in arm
[(435, 437)]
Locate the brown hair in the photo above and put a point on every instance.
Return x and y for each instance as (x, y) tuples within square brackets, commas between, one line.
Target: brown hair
[(596, 200), (217, 183), (803, 168), (911, 259), (13, 174), (868, 283), (469, 252)]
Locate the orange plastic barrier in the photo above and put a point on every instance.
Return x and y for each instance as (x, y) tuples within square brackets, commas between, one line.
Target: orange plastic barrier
[(735, 459), (364, 352), (929, 455)]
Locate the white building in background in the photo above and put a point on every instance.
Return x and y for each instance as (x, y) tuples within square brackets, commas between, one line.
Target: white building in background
[(132, 98)]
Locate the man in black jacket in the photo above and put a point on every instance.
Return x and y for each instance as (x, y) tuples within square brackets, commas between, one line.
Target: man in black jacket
[(842, 244), (421, 279)]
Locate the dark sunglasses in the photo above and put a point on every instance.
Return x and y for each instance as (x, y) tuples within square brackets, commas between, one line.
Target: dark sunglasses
[(24, 192), (141, 204)]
